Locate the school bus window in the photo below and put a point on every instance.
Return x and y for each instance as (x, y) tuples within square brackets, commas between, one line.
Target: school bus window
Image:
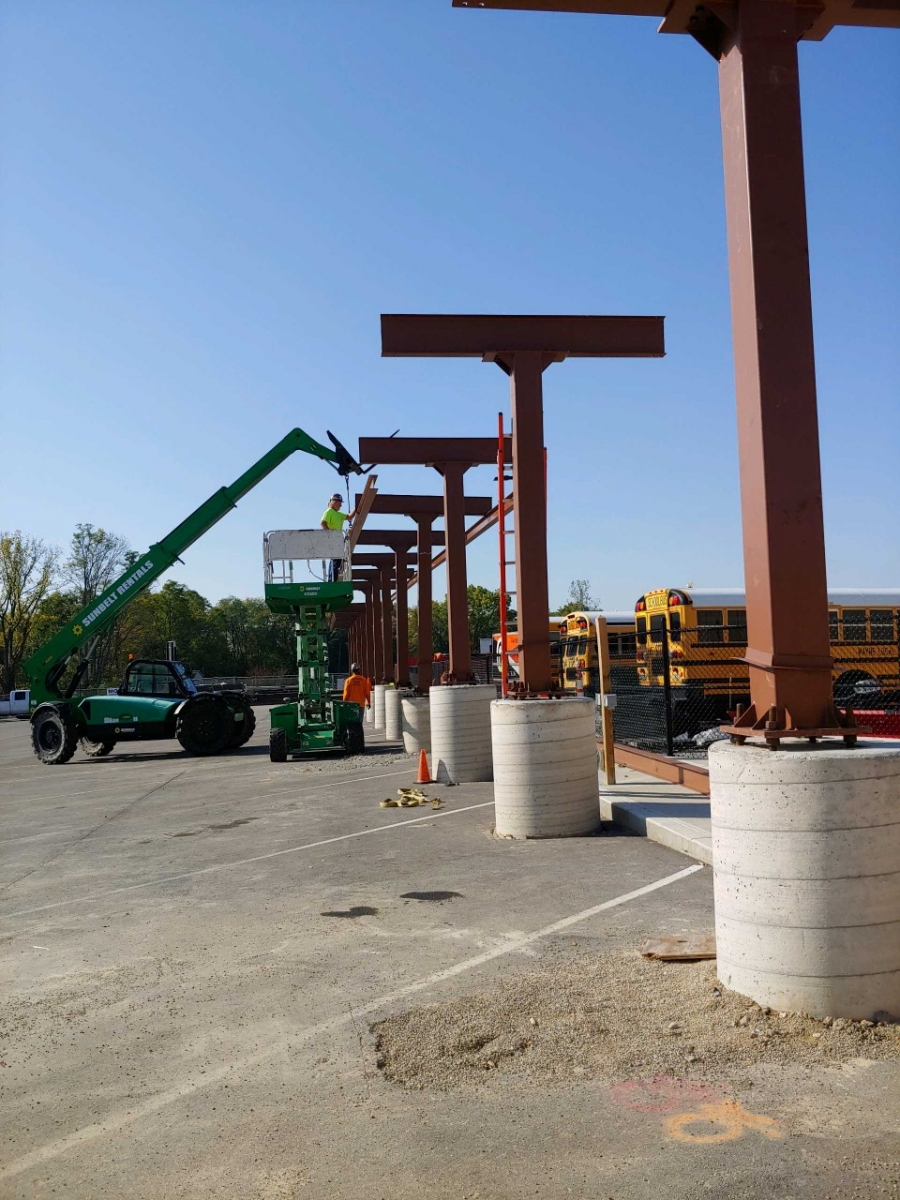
[(657, 625), (854, 624), (641, 635), (709, 627), (737, 626), (675, 622), (834, 628), (882, 622), (628, 644), (582, 647)]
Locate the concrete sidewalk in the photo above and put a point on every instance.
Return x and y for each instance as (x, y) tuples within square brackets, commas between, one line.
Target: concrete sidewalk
[(663, 812)]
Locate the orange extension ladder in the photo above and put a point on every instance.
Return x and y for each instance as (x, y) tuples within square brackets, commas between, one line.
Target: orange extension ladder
[(505, 531)]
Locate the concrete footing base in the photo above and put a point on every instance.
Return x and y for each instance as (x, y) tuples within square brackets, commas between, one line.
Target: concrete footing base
[(378, 704), (416, 724), (461, 733), (545, 768), (392, 723), (806, 860)]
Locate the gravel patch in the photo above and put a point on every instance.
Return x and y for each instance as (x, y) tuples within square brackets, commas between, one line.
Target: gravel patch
[(611, 1016), (376, 758)]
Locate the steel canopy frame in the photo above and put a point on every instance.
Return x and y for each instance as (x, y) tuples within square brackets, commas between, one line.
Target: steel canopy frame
[(401, 541), (755, 44), (423, 510), (523, 347), (452, 457)]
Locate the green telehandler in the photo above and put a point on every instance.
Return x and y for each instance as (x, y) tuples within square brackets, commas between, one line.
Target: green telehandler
[(157, 699)]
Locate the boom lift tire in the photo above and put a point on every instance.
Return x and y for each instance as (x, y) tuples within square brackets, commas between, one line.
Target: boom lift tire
[(354, 738), (96, 749), (204, 725), (243, 731), (53, 737), (278, 747)]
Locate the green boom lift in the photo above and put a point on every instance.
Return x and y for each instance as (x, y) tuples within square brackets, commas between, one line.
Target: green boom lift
[(157, 699)]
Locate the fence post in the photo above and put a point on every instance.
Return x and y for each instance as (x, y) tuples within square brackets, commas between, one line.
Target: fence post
[(606, 712), (667, 690)]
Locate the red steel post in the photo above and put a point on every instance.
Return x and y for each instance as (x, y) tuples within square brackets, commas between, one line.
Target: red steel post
[(423, 571), (530, 507), (460, 666), (377, 639), (781, 487), (387, 624), (401, 665)]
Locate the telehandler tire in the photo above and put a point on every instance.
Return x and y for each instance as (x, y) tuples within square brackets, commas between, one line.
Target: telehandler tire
[(243, 731), (96, 749), (204, 725), (278, 747), (53, 737)]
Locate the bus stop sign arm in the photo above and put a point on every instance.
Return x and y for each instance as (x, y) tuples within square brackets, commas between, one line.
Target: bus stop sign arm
[(46, 666)]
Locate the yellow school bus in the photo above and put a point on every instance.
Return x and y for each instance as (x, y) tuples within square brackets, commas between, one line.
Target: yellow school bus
[(579, 667), (705, 636)]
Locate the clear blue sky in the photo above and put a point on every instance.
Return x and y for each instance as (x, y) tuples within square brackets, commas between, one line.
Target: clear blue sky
[(205, 206)]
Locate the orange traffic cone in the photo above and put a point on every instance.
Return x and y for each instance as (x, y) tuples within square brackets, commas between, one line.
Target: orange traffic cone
[(424, 773)]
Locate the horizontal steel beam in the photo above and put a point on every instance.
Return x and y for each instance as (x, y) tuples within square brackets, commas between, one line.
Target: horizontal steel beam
[(430, 452), (424, 506), (412, 336), (403, 538), (814, 20), (369, 559)]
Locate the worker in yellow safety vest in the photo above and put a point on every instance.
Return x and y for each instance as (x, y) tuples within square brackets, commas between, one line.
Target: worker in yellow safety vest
[(333, 518), (357, 688)]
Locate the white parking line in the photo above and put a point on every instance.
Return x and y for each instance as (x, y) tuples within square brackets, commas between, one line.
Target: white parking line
[(241, 862), (114, 1122)]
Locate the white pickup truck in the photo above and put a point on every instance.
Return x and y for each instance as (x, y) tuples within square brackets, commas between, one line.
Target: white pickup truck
[(15, 705)]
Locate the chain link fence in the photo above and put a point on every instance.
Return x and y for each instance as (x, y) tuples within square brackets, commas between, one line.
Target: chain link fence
[(689, 682)]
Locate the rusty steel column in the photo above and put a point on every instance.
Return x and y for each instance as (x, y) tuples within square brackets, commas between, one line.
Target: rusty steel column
[(401, 665), (460, 666), (377, 639), (423, 571), (530, 506), (781, 487), (387, 624)]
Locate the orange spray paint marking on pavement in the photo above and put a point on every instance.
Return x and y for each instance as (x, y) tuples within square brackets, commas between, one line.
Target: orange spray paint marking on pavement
[(729, 1114)]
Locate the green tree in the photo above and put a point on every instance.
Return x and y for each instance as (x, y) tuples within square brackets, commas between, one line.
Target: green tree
[(97, 558), (484, 613), (27, 567), (579, 599), (484, 619)]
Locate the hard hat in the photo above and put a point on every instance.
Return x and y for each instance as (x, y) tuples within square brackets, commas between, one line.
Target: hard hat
[(354, 668), (337, 496)]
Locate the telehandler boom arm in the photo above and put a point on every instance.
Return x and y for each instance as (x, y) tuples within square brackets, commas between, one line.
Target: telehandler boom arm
[(47, 665)]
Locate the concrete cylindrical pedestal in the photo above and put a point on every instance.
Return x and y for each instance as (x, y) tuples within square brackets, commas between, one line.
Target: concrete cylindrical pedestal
[(392, 725), (806, 856), (461, 733), (378, 704), (416, 723), (545, 768)]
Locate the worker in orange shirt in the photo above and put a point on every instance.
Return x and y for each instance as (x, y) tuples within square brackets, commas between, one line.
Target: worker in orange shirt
[(357, 688)]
